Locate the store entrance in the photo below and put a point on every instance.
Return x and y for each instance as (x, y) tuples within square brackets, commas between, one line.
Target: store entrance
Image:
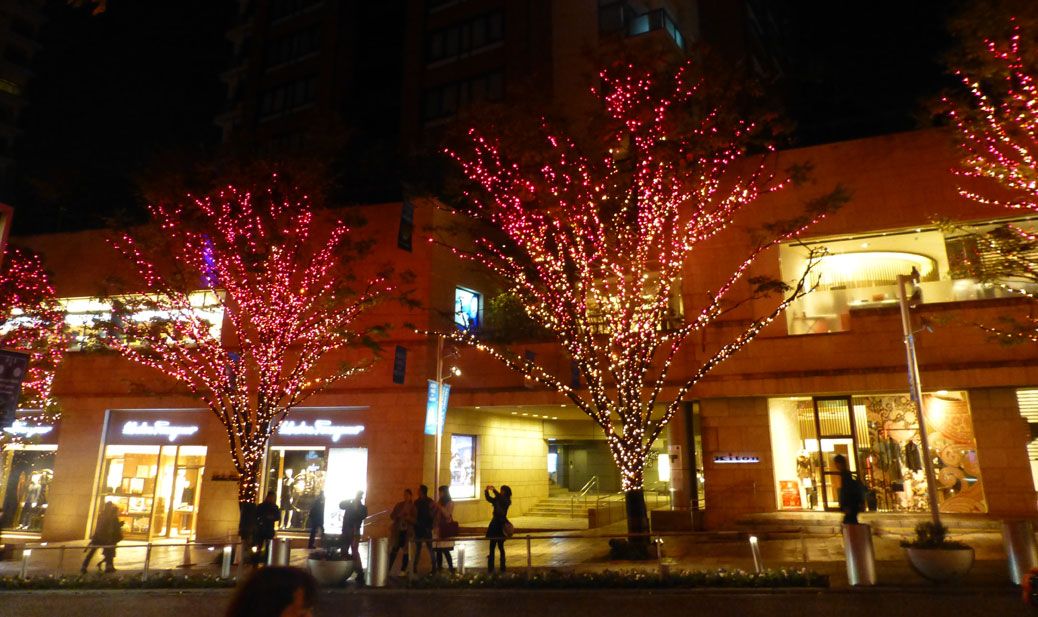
[(834, 425), (298, 475)]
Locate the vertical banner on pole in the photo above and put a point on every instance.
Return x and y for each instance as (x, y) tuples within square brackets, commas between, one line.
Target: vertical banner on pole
[(430, 406)]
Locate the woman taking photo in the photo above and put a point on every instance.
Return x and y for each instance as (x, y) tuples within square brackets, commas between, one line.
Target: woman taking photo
[(499, 527)]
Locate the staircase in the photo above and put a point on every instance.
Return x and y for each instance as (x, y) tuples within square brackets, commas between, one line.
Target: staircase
[(562, 503)]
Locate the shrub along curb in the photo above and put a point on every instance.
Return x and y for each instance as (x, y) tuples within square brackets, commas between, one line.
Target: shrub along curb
[(156, 581), (627, 579)]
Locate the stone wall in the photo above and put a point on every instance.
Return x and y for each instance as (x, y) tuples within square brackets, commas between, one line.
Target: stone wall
[(1002, 436)]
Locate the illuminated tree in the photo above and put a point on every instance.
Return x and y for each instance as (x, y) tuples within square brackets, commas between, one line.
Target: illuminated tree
[(997, 130), (34, 323), (593, 236), (283, 292)]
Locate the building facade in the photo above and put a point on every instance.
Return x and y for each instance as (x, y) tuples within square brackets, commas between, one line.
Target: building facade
[(757, 435)]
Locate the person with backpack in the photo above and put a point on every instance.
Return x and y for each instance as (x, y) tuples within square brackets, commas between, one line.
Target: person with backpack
[(852, 492), (423, 526)]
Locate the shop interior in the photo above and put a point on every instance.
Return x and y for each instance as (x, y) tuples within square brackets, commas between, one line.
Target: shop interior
[(157, 488), (879, 436), (27, 471), (299, 474)]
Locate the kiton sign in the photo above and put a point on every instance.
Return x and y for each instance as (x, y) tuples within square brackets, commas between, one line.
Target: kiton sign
[(159, 428), (735, 458), (319, 428)]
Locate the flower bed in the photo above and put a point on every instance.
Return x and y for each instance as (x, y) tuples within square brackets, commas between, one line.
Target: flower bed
[(156, 581), (626, 579)]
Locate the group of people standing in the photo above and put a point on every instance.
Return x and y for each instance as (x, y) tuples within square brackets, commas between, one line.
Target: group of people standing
[(429, 522)]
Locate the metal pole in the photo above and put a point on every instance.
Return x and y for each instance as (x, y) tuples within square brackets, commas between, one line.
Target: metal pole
[(61, 560), (147, 562), (26, 553), (461, 560), (659, 558), (758, 564), (529, 555), (225, 567), (439, 404), (917, 390)]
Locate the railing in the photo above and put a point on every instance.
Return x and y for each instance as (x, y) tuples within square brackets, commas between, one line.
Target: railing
[(541, 551), (582, 494)]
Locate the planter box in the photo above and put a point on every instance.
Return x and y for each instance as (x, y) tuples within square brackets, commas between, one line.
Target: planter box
[(938, 564), (330, 573)]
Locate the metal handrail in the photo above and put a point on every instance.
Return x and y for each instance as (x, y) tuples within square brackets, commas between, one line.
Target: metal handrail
[(582, 494)]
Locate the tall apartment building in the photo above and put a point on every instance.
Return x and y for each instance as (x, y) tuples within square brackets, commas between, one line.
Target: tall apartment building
[(20, 22)]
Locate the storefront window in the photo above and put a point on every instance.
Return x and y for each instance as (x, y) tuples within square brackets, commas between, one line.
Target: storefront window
[(879, 435), (463, 466), (156, 488), (27, 451)]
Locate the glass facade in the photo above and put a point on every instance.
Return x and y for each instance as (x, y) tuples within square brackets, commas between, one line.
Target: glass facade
[(26, 472), (156, 488), (299, 474), (879, 436)]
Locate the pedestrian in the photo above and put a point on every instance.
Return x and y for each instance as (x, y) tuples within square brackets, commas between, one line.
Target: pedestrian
[(352, 521), (499, 527), (403, 517), (315, 518), (423, 526), (275, 592), (852, 492), (267, 516), (444, 528), (107, 533)]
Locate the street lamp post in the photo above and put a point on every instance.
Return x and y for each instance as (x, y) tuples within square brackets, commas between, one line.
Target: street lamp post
[(440, 379), (917, 389)]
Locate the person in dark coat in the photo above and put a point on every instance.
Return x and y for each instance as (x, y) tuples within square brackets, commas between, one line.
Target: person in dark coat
[(423, 526), (403, 517), (352, 522), (107, 534), (500, 500), (267, 516), (315, 518), (851, 494)]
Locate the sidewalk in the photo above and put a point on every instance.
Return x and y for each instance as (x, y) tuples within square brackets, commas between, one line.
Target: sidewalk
[(559, 549)]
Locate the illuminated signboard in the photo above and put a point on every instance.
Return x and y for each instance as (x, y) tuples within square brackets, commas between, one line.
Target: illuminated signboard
[(159, 428), (24, 429), (731, 458), (320, 428)]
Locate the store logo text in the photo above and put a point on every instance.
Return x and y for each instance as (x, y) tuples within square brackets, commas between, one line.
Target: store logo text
[(158, 428), (319, 427)]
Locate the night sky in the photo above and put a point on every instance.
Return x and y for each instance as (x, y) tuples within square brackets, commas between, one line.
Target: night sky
[(115, 92)]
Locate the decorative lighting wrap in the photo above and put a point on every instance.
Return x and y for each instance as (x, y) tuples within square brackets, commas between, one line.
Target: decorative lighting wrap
[(34, 323), (283, 291), (593, 245), (997, 129)]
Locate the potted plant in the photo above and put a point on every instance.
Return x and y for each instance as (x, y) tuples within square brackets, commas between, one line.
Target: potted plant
[(329, 566), (934, 556)]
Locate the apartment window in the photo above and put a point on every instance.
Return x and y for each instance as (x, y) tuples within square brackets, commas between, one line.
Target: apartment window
[(445, 101), (467, 309), (465, 37), (463, 467), (289, 96), (292, 47)]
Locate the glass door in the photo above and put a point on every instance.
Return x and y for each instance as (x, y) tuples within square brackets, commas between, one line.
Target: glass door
[(834, 423)]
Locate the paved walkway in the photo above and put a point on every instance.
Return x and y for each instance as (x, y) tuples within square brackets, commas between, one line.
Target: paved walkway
[(580, 550)]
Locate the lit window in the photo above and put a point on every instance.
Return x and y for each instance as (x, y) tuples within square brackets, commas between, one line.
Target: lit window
[(466, 309), (463, 466)]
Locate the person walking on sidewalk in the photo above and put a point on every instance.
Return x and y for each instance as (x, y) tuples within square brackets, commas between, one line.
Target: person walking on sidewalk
[(499, 527), (352, 521), (267, 516), (315, 519), (423, 526), (852, 492), (107, 534), (444, 528), (403, 517)]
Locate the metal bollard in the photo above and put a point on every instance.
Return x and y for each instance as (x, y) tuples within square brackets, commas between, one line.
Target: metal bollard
[(187, 554), (225, 566), (660, 571), (412, 563), (1021, 552), (758, 563), (61, 560), (861, 558), (26, 553), (378, 562), (461, 560), (147, 562)]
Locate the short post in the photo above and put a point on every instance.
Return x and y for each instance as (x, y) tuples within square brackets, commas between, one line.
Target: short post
[(411, 562), (861, 557), (147, 562), (803, 545), (461, 560), (529, 555), (225, 566), (758, 564), (187, 554), (61, 560), (1021, 552), (659, 558), (26, 553)]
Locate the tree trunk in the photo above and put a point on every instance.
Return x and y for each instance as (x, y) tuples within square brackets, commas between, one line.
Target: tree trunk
[(248, 481), (637, 515)]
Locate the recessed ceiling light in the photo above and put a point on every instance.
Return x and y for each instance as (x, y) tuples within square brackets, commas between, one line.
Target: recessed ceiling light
[(526, 414), (554, 417)]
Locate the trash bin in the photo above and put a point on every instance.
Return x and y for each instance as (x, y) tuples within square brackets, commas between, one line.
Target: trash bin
[(861, 558), (378, 562), (1021, 552), (280, 552)]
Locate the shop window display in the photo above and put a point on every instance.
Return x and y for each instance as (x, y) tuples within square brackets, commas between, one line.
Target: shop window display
[(156, 488), (27, 472), (298, 475), (879, 435)]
